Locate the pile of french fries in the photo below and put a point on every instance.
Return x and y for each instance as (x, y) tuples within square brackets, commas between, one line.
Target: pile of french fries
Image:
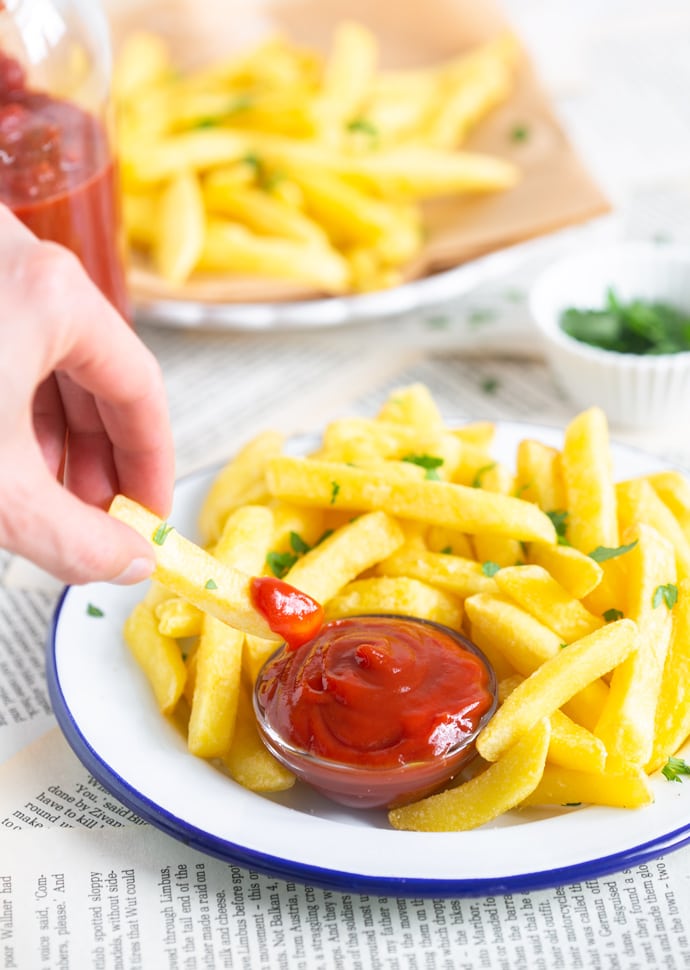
[(576, 588), (284, 164)]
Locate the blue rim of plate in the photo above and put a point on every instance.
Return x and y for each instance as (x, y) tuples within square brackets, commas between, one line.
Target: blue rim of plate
[(293, 870), (332, 879)]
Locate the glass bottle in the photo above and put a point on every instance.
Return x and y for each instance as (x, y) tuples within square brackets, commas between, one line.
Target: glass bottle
[(57, 169)]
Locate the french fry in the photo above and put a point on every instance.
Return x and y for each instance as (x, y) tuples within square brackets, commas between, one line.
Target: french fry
[(555, 682), (349, 551), (398, 595), (412, 405), (577, 573), (348, 75), (626, 725), (499, 624), (496, 549), (533, 588), (218, 667), (295, 520), (462, 577), (480, 434), (240, 477), (417, 172), (672, 715), (255, 653), (638, 503), (178, 618), (191, 151), (674, 491), (186, 569), (158, 656), (449, 541), (501, 787), (567, 786), (589, 488), (538, 475), (248, 761), (352, 439), (330, 484), (570, 745), (228, 245), (260, 211), (143, 60), (243, 545), (470, 90), (180, 228)]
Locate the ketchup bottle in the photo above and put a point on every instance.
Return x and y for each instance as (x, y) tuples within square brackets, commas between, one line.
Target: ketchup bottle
[(57, 170)]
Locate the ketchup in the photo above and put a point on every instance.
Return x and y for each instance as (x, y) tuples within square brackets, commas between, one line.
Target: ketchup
[(57, 176), (377, 691), (294, 615)]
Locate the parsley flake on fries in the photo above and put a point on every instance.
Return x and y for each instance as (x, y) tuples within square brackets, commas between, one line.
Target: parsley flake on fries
[(591, 651)]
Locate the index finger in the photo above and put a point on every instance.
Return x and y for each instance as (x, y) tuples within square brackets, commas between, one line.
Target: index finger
[(87, 339)]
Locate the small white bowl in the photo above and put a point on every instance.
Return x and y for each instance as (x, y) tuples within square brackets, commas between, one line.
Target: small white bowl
[(635, 391)]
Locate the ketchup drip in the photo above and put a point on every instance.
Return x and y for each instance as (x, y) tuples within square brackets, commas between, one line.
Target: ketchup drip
[(57, 176), (294, 615)]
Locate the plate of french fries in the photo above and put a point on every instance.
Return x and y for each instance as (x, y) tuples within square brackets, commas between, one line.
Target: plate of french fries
[(562, 555), (308, 163)]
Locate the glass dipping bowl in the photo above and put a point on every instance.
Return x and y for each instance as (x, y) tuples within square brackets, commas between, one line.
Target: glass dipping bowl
[(365, 786)]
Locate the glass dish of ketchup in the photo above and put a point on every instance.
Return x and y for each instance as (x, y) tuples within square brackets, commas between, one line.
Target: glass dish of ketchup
[(56, 162), (375, 711)]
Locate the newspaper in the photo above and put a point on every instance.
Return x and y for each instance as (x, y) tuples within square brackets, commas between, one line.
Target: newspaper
[(85, 882)]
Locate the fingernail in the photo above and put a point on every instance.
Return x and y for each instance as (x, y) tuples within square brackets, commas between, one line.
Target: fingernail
[(135, 572)]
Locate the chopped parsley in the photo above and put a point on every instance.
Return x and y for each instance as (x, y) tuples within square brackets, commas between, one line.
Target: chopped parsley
[(490, 385), (335, 488), (210, 584), (280, 563), (559, 518), (447, 551), (298, 544), (479, 474), (490, 568), (363, 126), (604, 553), (519, 133), (162, 533), (437, 322), (637, 326), (480, 315), (667, 593), (92, 610), (612, 615), (674, 768), (429, 462)]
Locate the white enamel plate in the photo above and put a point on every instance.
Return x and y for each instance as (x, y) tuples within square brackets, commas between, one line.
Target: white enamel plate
[(108, 715)]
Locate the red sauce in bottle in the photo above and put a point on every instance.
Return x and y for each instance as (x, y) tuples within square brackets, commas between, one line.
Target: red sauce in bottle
[(377, 691), (57, 176)]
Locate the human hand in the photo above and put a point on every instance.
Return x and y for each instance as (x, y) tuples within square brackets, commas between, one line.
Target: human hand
[(84, 416)]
